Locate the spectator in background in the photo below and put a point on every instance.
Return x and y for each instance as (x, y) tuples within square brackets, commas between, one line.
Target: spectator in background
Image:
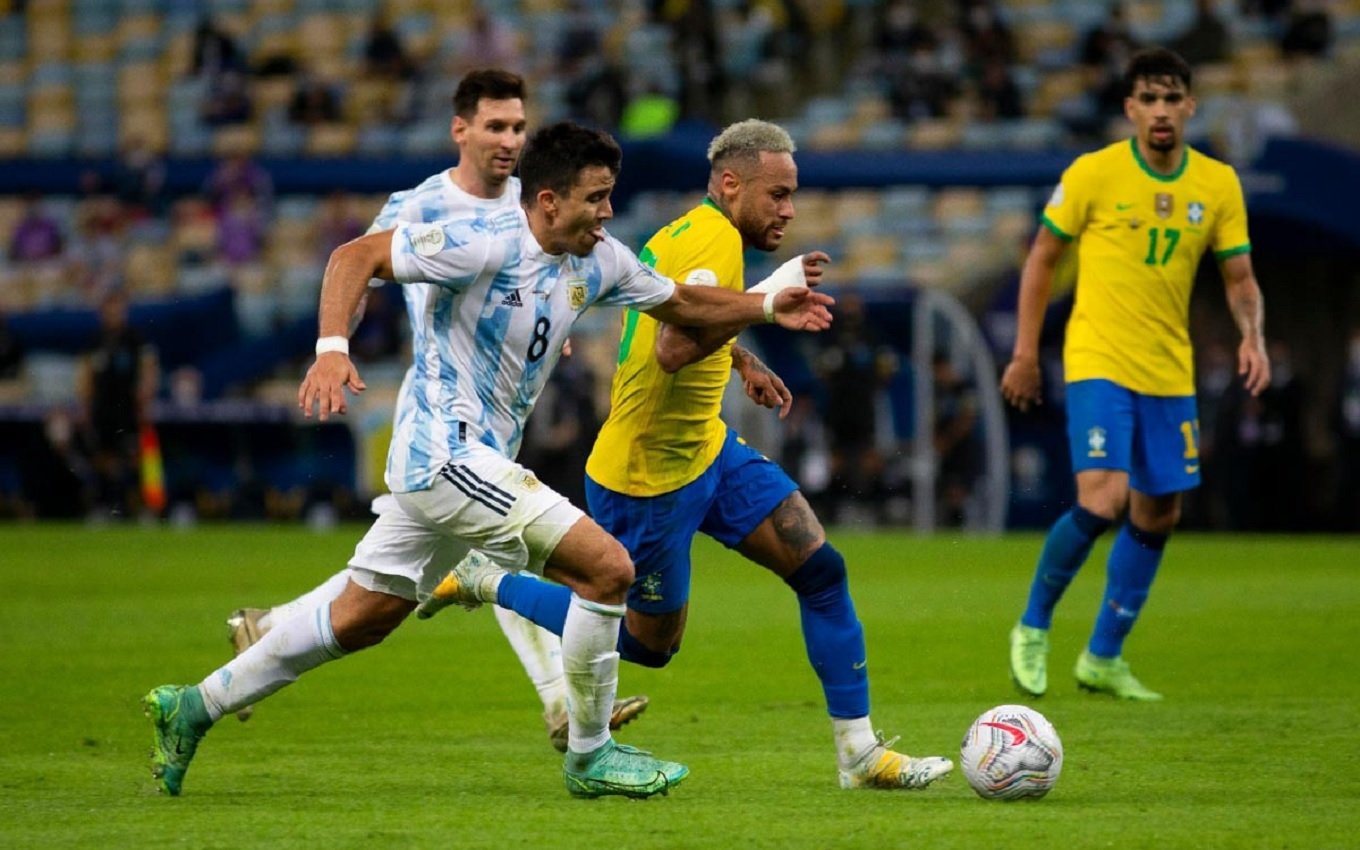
[(241, 228), (11, 352), (228, 100), (650, 114), (215, 52), (386, 58), (1207, 39), (238, 173), (1309, 30), (486, 43), (1348, 434), (36, 236), (854, 368), (998, 96), (314, 102), (117, 383), (336, 224), (1105, 52), (597, 92), (96, 254), (138, 179), (986, 37), (958, 449)]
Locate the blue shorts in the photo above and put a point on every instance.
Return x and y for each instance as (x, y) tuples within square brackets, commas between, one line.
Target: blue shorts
[(727, 502), (1155, 439)]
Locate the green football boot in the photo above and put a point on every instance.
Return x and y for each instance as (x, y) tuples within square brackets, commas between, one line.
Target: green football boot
[(1029, 659), (620, 770), (180, 722), (1111, 676)]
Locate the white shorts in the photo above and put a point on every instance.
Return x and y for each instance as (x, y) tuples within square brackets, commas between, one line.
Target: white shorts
[(481, 501)]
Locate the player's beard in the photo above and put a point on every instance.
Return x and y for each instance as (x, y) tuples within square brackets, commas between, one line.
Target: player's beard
[(1163, 144)]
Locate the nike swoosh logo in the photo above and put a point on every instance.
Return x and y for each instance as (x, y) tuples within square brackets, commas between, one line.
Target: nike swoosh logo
[(1191, 468), (858, 665), (1122, 207), (1018, 735)]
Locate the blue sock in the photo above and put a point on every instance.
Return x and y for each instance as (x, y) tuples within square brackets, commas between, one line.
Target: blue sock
[(544, 603), (1069, 542), (832, 633), (1132, 567)]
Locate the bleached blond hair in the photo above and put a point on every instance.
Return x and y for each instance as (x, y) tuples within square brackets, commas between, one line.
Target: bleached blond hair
[(743, 143)]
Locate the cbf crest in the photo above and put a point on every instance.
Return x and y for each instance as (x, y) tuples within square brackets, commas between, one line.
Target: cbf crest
[(1194, 211), (1163, 204), (1095, 442), (576, 294)]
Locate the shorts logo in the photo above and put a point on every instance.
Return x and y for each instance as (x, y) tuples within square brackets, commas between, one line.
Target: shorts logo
[(1095, 440), (1163, 204), (649, 588), (1195, 212), (576, 294)]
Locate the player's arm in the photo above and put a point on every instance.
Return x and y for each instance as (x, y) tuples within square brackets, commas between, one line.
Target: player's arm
[(1248, 312), (1020, 383), (677, 347), (706, 306), (762, 385), (350, 268)]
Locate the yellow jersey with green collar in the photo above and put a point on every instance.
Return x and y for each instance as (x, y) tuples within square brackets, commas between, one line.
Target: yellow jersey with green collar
[(664, 431), (1140, 236)]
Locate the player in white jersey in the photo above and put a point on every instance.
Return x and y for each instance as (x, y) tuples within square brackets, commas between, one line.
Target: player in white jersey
[(488, 129), (496, 301)]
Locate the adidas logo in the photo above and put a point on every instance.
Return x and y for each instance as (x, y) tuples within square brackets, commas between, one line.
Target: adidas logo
[(512, 300)]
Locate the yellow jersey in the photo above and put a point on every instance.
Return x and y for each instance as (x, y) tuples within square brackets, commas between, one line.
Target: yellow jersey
[(1140, 238), (664, 430)]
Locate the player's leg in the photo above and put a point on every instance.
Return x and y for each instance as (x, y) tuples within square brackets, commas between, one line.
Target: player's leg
[(531, 526), (759, 511), (245, 626), (1099, 431), (379, 596), (1165, 463), (598, 570)]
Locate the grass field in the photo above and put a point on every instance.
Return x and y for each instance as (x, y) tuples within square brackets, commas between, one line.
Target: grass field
[(434, 740)]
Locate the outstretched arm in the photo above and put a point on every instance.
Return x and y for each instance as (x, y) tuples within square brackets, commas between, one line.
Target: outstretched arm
[(1248, 312), (1020, 383), (348, 272), (677, 347), (762, 385)]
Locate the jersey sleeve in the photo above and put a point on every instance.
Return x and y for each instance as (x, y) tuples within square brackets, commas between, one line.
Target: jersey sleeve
[(634, 284), (1230, 231), (1066, 211), (389, 215), (443, 253), (713, 261)]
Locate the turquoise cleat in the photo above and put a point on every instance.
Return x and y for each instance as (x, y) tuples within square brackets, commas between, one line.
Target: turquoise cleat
[(180, 722), (618, 769)]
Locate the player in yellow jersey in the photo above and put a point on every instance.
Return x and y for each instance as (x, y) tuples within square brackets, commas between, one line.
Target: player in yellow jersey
[(665, 466), (1142, 212)]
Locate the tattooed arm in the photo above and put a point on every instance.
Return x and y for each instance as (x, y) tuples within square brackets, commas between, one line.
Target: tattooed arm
[(1244, 301), (762, 385)]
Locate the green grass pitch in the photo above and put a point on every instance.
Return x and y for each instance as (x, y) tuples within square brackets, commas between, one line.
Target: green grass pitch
[(434, 739)]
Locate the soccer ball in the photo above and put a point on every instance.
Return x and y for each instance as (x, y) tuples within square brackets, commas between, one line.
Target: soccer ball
[(1010, 752)]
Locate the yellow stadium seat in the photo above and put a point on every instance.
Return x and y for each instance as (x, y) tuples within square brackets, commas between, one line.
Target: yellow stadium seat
[(140, 82), (236, 139), (1038, 36), (330, 140), (13, 142), (934, 134), (149, 269)]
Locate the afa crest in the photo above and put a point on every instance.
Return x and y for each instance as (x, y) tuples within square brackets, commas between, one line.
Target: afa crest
[(528, 481), (576, 294)]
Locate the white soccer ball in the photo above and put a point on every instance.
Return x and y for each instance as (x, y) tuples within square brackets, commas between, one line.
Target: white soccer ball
[(1010, 752)]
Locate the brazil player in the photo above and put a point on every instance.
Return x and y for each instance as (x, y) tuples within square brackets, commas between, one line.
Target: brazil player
[(665, 466), (488, 128), (481, 359), (1142, 211)]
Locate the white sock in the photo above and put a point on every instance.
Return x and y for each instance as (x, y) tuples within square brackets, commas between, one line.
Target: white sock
[(854, 737), (591, 665), (288, 650), (322, 594), (540, 651)]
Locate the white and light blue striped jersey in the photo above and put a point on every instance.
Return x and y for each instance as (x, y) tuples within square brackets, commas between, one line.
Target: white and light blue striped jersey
[(488, 324)]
